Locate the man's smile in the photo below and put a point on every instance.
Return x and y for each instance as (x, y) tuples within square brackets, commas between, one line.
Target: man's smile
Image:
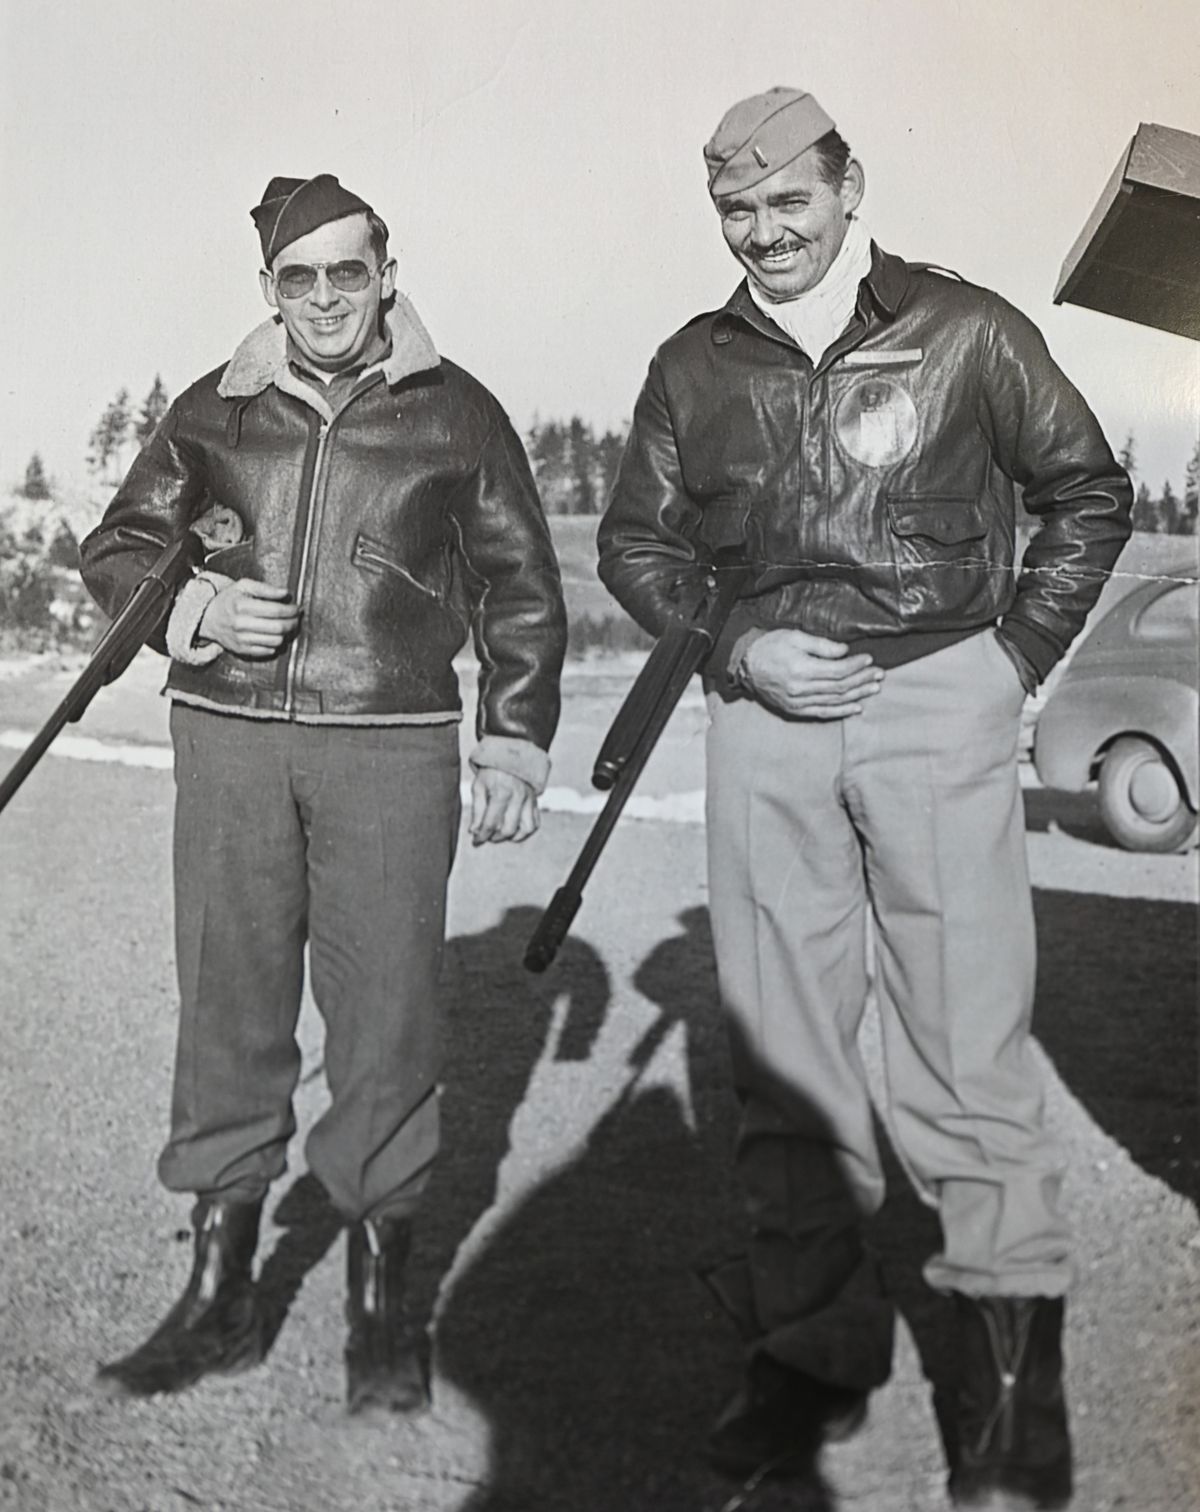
[(780, 255)]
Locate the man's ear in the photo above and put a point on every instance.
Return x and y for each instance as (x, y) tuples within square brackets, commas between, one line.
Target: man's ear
[(267, 284), (387, 279), (854, 186)]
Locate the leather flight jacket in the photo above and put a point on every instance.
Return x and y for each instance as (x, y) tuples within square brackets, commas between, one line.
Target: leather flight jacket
[(877, 494), (402, 522)]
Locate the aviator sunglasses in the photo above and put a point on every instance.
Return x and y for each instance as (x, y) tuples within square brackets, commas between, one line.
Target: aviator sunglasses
[(298, 279)]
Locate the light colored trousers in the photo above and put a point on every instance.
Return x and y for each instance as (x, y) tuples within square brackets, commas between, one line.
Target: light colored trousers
[(907, 817), (339, 838)]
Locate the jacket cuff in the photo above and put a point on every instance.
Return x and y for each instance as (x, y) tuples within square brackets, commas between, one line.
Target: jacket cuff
[(519, 758), (186, 613), (1038, 651), (1026, 671)]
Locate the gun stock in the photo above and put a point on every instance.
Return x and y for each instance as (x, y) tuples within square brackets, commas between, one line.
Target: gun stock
[(681, 650), (144, 611)]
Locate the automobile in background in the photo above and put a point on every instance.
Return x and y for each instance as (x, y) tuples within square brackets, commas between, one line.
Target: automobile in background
[(1125, 714)]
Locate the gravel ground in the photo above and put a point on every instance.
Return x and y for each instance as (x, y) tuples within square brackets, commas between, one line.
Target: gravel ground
[(584, 1180)]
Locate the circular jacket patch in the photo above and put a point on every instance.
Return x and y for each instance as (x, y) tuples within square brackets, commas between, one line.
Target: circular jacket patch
[(876, 421)]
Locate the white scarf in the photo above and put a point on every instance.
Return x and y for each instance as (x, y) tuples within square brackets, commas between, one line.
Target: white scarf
[(815, 319)]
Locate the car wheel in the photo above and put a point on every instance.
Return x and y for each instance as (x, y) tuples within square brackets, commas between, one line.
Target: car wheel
[(1141, 801)]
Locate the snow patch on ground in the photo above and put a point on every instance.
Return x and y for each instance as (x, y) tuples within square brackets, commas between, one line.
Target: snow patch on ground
[(87, 748)]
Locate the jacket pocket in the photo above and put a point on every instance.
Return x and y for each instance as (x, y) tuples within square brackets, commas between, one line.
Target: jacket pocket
[(373, 556), (944, 519)]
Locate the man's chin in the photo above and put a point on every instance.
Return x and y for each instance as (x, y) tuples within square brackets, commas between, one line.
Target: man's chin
[(328, 361), (780, 285)]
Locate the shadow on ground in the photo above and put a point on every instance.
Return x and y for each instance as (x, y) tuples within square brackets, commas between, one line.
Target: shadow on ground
[(1074, 814), (1118, 1004), (580, 1330), (1117, 1011)]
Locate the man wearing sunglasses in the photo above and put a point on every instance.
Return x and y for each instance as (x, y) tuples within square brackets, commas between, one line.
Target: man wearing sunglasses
[(386, 513)]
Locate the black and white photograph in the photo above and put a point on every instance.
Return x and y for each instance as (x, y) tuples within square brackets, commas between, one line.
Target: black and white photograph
[(600, 756)]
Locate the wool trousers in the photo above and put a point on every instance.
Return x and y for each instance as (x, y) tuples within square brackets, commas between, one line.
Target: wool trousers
[(903, 824), (337, 840)]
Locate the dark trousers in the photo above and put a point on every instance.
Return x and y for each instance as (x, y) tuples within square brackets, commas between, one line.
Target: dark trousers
[(340, 838)]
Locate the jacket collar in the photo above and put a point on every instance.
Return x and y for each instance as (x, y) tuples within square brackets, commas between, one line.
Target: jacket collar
[(886, 283), (262, 356)]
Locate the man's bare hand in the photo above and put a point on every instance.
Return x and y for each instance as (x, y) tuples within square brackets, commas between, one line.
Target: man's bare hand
[(249, 618), (503, 807), (809, 677)]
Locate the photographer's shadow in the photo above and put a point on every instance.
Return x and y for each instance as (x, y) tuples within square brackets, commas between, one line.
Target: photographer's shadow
[(580, 1329), (902, 1235)]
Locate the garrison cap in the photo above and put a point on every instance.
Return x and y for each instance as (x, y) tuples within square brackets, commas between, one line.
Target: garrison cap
[(293, 207), (761, 134)]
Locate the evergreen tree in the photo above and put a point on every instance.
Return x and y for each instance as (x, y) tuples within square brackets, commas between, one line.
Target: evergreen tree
[(110, 435), (36, 484), (1190, 514), (1127, 456), (1168, 510), (1144, 510), (63, 550), (154, 407), (583, 490), (550, 459), (609, 450)]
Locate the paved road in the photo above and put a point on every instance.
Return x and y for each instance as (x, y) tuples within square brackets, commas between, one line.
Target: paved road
[(584, 1179)]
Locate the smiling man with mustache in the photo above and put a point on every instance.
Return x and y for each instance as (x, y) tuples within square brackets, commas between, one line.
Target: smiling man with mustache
[(862, 428)]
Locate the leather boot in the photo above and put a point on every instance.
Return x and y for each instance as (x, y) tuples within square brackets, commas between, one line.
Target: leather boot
[(216, 1326), (1014, 1446), (776, 1424), (384, 1367)]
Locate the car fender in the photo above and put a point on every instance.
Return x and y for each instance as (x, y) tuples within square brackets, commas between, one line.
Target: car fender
[(1086, 714)]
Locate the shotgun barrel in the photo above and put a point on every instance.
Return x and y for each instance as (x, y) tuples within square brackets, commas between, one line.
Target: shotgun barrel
[(144, 611), (682, 650)]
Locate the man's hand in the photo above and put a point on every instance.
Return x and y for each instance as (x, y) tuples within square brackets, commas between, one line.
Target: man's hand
[(503, 807), (809, 677), (249, 618)]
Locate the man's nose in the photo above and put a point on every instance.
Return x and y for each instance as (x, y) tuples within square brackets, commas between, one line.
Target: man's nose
[(324, 294), (764, 230)]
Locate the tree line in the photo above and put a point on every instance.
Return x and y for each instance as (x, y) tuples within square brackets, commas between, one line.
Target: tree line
[(574, 465), (1165, 513)]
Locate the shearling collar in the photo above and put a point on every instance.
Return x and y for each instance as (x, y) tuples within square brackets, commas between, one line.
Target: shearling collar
[(263, 354)]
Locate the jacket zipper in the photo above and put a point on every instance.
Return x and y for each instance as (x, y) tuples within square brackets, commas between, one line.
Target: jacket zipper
[(302, 575)]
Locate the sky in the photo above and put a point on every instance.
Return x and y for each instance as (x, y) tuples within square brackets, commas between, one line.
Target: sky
[(539, 163)]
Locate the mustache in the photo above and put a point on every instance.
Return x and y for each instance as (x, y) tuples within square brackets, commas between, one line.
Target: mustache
[(787, 243)]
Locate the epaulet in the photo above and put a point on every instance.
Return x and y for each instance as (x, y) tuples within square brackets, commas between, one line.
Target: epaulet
[(697, 319), (926, 267)]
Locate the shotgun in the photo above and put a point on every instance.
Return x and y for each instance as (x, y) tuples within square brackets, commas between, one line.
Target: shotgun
[(681, 650), (145, 609)]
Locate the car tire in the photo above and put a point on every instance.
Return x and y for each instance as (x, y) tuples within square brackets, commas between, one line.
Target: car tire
[(1141, 801)]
